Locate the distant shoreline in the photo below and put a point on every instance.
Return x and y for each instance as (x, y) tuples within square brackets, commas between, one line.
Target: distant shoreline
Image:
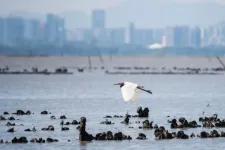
[(18, 62), (125, 56), (124, 50)]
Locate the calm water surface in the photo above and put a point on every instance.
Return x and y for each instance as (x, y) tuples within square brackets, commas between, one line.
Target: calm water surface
[(93, 95)]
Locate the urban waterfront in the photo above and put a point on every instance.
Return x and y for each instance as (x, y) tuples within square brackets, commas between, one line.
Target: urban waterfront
[(112, 74)]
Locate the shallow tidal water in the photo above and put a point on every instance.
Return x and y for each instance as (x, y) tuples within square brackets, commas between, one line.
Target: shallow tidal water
[(93, 95)]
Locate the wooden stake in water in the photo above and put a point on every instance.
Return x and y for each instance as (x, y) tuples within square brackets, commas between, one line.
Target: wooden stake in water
[(221, 62), (89, 63)]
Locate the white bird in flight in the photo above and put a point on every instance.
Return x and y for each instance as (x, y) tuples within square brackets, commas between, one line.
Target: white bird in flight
[(130, 91)]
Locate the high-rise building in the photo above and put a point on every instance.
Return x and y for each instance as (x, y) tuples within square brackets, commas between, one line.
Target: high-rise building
[(14, 31), (98, 19), (144, 37), (2, 31), (181, 36), (157, 36), (32, 33), (117, 36), (223, 35), (61, 31), (54, 30), (132, 33), (86, 35), (164, 44), (169, 36), (51, 28), (195, 40), (207, 35)]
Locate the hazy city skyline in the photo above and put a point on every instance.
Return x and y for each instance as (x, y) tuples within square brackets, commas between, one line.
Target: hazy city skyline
[(172, 23), (145, 13)]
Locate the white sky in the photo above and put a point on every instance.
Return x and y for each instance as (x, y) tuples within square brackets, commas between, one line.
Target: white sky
[(57, 6)]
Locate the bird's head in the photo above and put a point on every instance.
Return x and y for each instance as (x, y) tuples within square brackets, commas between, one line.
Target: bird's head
[(120, 84)]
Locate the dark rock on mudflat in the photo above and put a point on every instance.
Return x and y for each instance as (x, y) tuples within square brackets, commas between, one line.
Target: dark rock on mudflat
[(142, 112), (182, 135), (20, 140), (107, 117), (214, 133), (212, 121), (129, 138), (161, 133), (126, 120), (118, 136), (63, 117), (107, 122), (11, 130), (10, 124), (50, 128), (64, 129), (52, 117), (147, 124), (84, 136), (141, 136), (116, 116), (29, 130), (21, 112), (137, 122), (134, 116), (11, 118), (6, 113), (2, 118), (75, 122), (101, 136), (50, 140), (211, 134), (183, 123), (62, 123), (192, 135), (155, 126), (110, 136), (44, 112), (36, 140), (222, 134), (28, 113), (203, 134), (67, 123)]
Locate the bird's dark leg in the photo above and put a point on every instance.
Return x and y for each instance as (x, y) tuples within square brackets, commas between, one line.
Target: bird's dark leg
[(148, 91)]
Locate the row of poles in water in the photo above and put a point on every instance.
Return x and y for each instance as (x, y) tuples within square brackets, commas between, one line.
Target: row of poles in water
[(110, 58)]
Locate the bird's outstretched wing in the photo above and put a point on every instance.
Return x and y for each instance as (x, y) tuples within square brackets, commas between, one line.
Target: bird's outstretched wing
[(129, 91)]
